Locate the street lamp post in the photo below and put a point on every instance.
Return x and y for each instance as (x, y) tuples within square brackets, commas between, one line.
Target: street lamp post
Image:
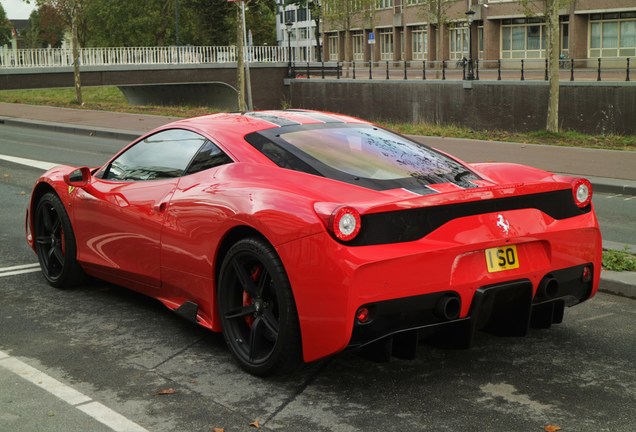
[(471, 66), (288, 25)]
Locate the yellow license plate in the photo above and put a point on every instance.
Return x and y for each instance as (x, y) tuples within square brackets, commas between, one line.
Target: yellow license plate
[(502, 258)]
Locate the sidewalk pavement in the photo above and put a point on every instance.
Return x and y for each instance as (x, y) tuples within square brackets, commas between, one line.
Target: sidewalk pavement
[(610, 171)]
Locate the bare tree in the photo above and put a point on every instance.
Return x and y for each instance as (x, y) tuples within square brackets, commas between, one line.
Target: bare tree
[(342, 14)]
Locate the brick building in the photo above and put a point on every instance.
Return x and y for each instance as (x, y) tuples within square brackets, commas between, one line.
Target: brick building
[(499, 29)]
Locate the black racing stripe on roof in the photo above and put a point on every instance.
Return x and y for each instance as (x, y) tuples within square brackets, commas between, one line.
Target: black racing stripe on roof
[(272, 118), (325, 118)]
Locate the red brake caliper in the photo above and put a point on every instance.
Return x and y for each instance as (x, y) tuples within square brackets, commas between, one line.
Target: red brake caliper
[(247, 300)]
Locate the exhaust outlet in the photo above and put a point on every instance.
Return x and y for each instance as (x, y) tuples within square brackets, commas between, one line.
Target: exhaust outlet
[(448, 307), (548, 288)]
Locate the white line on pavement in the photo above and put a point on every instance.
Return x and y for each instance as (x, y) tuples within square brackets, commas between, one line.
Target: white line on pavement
[(107, 416), (40, 379), (19, 272), (96, 410), (19, 267), (28, 162)]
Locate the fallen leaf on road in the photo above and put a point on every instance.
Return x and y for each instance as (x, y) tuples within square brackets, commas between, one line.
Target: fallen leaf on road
[(255, 424), (167, 391), (551, 428), (218, 430)]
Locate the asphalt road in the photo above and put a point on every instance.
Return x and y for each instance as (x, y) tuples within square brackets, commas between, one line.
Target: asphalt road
[(120, 350)]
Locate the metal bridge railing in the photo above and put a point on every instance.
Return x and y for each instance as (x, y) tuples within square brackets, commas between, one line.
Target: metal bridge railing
[(619, 69), (59, 57)]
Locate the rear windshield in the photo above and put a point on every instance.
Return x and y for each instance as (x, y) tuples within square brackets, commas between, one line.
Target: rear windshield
[(360, 154)]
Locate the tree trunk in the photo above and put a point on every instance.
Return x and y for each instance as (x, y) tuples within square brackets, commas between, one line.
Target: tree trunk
[(240, 63), (318, 44), (553, 52), (76, 67)]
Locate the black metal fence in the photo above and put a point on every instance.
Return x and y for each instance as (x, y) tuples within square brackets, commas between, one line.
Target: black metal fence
[(523, 69)]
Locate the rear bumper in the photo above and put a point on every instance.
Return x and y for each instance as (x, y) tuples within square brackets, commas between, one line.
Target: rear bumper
[(410, 278), (505, 309)]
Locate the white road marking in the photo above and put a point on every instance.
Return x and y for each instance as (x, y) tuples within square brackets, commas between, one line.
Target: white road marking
[(107, 416), (29, 162), (19, 272), (96, 410), (19, 269), (40, 379), (625, 197), (596, 317)]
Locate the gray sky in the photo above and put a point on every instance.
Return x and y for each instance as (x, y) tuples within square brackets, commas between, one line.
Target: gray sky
[(17, 9)]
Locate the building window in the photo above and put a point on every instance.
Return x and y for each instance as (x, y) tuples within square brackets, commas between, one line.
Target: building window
[(523, 38), (613, 35), (419, 42), (358, 45), (332, 40), (384, 4), (302, 14), (386, 44), (565, 38), (458, 42), (290, 16)]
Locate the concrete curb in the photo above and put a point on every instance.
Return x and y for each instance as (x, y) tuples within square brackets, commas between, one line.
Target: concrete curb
[(619, 283), (615, 186), (121, 134)]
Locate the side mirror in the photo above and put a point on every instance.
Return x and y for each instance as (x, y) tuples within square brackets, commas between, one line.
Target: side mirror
[(79, 178)]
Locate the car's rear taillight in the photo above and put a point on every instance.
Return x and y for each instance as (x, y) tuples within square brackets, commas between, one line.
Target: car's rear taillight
[(582, 192), (345, 223)]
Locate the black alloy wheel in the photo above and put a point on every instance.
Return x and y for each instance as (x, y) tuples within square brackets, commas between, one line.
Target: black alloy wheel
[(55, 243), (257, 309)]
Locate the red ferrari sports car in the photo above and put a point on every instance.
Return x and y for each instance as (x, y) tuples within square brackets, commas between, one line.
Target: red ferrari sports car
[(299, 234)]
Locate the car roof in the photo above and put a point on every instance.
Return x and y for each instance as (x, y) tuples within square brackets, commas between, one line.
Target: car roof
[(229, 129), (254, 121)]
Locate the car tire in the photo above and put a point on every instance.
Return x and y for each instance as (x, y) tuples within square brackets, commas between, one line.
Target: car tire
[(257, 309), (55, 243)]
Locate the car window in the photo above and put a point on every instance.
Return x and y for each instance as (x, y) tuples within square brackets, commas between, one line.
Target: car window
[(166, 154), (367, 156), (209, 156)]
